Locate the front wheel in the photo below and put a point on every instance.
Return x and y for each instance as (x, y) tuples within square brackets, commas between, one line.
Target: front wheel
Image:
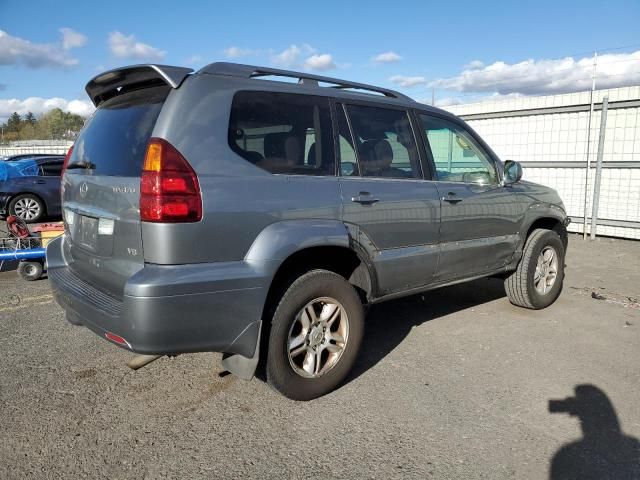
[(315, 336), (537, 282)]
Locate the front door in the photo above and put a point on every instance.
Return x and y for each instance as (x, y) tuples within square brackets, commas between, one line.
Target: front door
[(480, 217), (394, 212)]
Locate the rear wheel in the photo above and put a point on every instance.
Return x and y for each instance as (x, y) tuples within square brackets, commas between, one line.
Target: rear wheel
[(316, 332), (27, 207), (537, 282)]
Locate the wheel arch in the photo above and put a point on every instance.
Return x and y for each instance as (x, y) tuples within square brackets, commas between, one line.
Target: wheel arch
[(549, 223), (292, 247)]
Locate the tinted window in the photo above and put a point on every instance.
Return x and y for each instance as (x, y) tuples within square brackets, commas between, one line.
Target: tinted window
[(283, 133), (114, 140), (384, 141), (457, 156), (52, 169)]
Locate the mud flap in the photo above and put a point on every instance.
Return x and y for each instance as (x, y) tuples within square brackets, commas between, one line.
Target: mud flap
[(241, 366)]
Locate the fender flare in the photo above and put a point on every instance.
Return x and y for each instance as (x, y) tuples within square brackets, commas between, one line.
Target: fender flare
[(536, 212), (278, 241)]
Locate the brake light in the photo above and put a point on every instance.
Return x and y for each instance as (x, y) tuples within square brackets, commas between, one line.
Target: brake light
[(169, 189), (66, 159)]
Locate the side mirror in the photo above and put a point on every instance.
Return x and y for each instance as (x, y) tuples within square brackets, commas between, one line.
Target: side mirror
[(512, 172)]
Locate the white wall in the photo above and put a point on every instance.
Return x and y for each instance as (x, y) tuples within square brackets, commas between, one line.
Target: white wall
[(562, 137)]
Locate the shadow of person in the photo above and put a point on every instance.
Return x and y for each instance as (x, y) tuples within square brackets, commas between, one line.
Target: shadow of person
[(389, 323), (604, 452)]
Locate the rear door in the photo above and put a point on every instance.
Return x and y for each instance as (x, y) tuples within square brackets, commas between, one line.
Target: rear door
[(480, 217), (49, 184), (100, 189), (395, 211)]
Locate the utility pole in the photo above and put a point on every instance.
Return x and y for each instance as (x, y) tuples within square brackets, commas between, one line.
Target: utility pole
[(596, 183), (586, 176)]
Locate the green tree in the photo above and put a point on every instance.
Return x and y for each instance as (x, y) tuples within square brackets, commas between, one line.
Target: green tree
[(14, 123), (30, 118)]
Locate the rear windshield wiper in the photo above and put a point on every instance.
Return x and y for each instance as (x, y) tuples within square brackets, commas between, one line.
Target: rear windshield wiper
[(87, 165)]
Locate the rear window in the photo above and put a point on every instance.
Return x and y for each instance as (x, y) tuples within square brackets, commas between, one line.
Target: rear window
[(114, 140)]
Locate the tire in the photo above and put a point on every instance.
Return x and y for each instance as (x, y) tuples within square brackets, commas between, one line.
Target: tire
[(530, 286), (30, 270), (28, 207), (333, 303)]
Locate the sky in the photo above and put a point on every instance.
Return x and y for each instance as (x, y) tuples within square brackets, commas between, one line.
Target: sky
[(457, 52)]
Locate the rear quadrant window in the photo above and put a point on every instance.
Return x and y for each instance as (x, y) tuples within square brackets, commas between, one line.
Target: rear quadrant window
[(283, 133)]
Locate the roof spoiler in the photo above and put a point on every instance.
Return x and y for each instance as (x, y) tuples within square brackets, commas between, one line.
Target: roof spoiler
[(108, 84)]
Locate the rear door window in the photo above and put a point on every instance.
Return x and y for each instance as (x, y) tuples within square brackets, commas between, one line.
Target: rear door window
[(384, 142), (114, 140), (283, 133), (51, 169)]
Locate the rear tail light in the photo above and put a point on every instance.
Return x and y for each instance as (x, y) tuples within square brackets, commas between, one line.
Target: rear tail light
[(64, 168), (169, 189), (66, 159)]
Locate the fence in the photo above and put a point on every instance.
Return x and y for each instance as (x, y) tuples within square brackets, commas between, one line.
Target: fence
[(54, 147), (552, 136)]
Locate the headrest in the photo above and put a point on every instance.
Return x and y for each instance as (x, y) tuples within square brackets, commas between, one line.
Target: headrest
[(377, 154), (274, 144)]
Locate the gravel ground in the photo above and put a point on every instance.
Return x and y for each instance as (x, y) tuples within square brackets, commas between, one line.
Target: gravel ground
[(454, 383)]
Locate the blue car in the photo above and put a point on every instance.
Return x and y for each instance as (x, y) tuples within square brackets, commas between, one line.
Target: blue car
[(30, 187)]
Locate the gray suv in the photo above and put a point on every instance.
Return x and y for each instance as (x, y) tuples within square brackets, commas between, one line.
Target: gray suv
[(234, 210)]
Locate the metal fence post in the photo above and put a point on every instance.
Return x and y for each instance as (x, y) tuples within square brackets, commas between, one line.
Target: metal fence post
[(586, 177), (596, 186)]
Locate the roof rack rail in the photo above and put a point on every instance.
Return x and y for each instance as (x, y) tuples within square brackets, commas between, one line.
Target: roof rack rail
[(251, 71)]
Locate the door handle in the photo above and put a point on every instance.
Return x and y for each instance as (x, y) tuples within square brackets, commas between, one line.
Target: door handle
[(451, 198), (364, 198)]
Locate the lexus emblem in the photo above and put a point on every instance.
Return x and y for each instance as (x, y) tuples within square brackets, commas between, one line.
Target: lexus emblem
[(84, 188)]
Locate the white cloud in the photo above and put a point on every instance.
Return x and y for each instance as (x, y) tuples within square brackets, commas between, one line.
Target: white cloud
[(290, 56), (236, 52), (387, 57), (18, 51), (319, 62), (193, 59), (543, 77), (126, 46), (39, 105), (72, 39), (407, 81), (474, 65)]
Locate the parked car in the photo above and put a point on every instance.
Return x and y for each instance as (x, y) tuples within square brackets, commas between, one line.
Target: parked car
[(224, 211), (21, 156), (33, 194)]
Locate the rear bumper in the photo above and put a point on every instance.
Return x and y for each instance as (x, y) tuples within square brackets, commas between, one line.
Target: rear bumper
[(169, 309)]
